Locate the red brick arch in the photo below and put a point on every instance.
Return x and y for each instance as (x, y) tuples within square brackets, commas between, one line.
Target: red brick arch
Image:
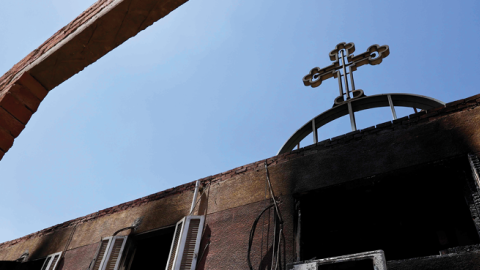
[(97, 31)]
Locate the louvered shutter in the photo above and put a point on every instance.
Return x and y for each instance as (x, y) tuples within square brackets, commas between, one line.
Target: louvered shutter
[(51, 261), (173, 249), (114, 253), (100, 254), (46, 263), (185, 244)]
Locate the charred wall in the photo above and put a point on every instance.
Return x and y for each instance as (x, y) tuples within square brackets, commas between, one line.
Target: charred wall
[(234, 198), (467, 260)]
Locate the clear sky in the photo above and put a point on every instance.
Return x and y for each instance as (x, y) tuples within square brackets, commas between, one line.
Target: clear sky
[(212, 86)]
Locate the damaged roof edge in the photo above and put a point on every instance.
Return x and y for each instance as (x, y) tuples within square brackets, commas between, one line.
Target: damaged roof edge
[(414, 119)]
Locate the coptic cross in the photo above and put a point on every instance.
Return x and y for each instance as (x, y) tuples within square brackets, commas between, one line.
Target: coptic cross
[(338, 69)]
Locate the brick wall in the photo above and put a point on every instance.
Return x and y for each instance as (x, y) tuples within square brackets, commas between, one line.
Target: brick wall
[(404, 124), (234, 198), (228, 233)]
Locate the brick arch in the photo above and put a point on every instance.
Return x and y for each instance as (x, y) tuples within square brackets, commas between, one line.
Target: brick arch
[(98, 30)]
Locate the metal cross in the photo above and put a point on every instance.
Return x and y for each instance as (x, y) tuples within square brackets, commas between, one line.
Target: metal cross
[(373, 56)]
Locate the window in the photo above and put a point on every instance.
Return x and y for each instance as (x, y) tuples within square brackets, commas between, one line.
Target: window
[(109, 253), (414, 212), (150, 249), (51, 261), (185, 244)]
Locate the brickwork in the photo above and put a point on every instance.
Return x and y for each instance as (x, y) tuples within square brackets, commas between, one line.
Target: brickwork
[(9, 77), (79, 258), (16, 107), (402, 123), (234, 198), (233, 226)]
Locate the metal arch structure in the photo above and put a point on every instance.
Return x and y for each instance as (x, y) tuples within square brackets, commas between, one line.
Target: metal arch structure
[(356, 105)]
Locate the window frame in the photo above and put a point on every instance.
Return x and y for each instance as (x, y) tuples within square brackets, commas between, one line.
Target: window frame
[(47, 265)]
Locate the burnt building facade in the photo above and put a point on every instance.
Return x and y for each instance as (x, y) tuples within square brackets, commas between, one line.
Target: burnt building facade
[(399, 195), (408, 187)]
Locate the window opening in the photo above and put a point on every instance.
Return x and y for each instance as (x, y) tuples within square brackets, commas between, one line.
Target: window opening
[(413, 213), (35, 264), (152, 249)]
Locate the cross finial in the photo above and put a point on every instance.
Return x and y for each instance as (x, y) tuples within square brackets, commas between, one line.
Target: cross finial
[(372, 56)]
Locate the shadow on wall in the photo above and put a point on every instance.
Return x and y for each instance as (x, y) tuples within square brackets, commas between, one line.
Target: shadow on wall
[(204, 248)]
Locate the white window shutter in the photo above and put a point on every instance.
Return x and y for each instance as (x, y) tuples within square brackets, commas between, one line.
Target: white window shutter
[(46, 263), (109, 253), (100, 254), (114, 253), (51, 261), (186, 243), (174, 248)]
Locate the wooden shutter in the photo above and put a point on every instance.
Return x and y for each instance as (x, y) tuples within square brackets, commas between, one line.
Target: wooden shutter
[(109, 253), (100, 254), (173, 249), (114, 253), (51, 261), (185, 244)]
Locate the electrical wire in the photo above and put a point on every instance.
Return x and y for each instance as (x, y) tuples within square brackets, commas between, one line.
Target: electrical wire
[(271, 193), (252, 234), (278, 233)]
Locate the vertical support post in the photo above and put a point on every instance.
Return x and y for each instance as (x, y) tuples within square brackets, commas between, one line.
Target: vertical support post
[(352, 117), (394, 114), (314, 132)]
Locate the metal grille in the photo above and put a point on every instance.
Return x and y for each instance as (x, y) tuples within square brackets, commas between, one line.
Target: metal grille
[(173, 251), (190, 243), (101, 253), (115, 254)]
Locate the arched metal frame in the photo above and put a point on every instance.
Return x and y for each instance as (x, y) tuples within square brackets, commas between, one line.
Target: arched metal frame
[(359, 104)]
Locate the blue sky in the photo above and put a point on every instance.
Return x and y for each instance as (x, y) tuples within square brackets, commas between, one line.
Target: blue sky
[(212, 86)]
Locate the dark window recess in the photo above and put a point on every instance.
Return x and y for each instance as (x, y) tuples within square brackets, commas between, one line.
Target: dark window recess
[(152, 249), (12, 265), (407, 214), (33, 265), (366, 264)]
